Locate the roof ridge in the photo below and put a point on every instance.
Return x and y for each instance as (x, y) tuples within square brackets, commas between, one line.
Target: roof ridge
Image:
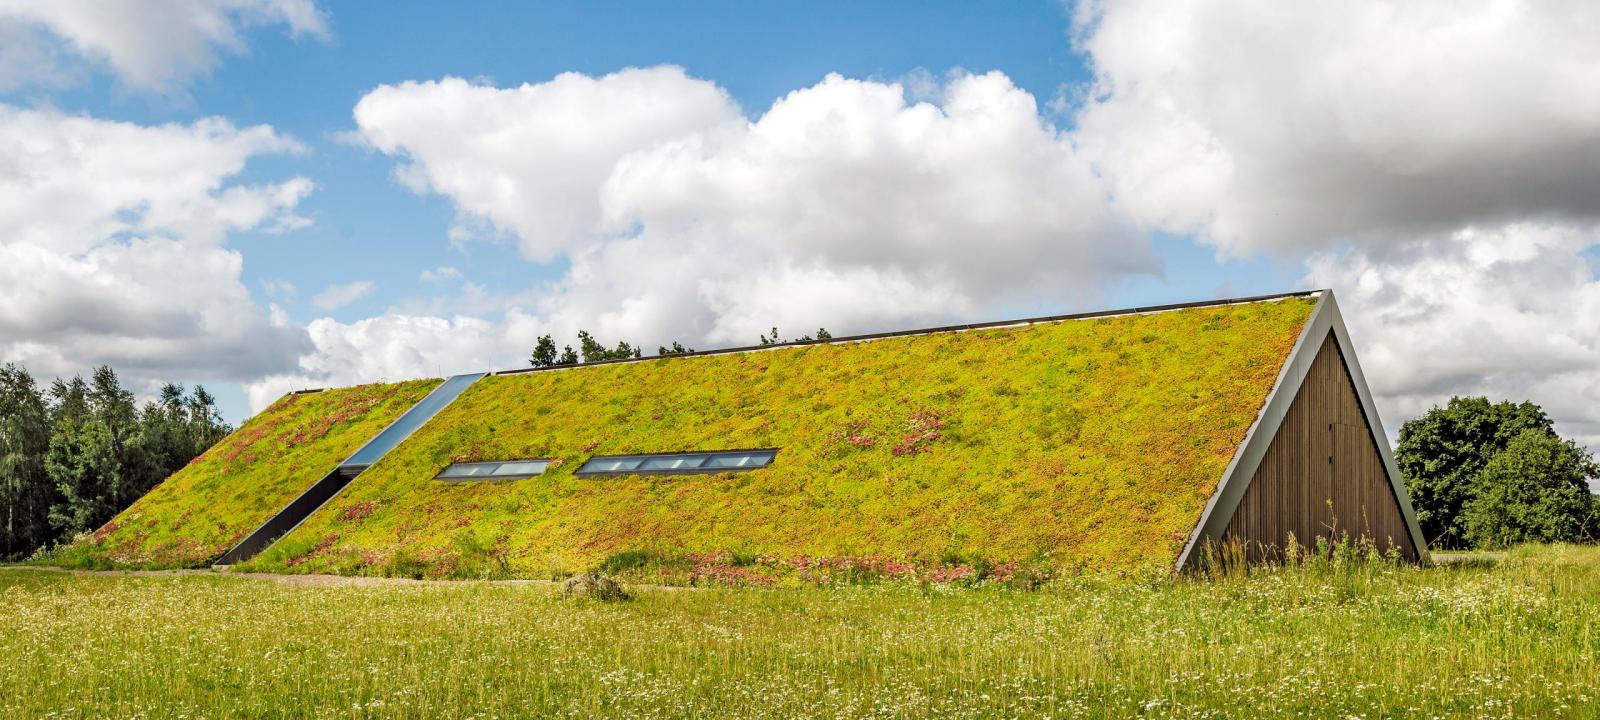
[(1143, 310)]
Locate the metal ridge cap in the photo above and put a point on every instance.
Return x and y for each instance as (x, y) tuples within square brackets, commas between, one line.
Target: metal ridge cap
[(1091, 315)]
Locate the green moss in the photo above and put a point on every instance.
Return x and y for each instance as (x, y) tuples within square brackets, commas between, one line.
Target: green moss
[(204, 509), (1092, 444)]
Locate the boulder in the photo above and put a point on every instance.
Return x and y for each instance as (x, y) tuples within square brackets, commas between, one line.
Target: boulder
[(593, 585)]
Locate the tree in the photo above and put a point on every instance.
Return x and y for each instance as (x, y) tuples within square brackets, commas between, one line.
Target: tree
[(94, 458), (544, 352), (1441, 453), (593, 351), (822, 334), (205, 424), (26, 492), (676, 349), (1536, 490)]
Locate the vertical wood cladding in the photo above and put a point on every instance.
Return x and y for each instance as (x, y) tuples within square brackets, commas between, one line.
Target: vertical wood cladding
[(1322, 475)]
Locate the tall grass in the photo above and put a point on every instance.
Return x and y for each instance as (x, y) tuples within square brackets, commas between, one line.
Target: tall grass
[(1358, 638)]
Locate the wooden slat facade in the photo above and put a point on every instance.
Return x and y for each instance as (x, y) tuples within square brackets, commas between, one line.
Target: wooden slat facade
[(1322, 475)]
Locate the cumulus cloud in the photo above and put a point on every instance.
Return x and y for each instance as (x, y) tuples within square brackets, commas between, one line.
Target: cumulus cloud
[(529, 160), (153, 45), (1288, 127), (337, 296), (1505, 311), (111, 250), (851, 204), (1438, 160), (397, 346)]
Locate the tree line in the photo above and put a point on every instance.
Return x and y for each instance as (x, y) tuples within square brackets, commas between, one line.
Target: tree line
[(74, 455), (592, 350)]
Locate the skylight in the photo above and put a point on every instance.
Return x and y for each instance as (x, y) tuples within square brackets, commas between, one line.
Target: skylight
[(502, 470), (678, 463)]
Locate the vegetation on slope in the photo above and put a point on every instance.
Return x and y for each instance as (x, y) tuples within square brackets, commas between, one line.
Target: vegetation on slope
[(1368, 640), (205, 508), (1079, 444)]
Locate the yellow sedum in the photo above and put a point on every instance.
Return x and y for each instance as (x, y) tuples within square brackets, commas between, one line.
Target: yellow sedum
[(204, 509), (1086, 444)]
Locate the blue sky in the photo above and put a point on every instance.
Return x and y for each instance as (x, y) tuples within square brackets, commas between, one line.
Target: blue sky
[(368, 227), (1176, 152)]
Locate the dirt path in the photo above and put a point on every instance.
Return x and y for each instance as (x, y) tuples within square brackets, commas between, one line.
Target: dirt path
[(306, 580)]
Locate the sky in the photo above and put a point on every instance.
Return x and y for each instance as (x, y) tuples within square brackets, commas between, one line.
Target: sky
[(265, 195)]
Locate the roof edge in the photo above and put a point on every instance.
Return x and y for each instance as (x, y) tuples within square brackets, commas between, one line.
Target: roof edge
[(1325, 320), (932, 330)]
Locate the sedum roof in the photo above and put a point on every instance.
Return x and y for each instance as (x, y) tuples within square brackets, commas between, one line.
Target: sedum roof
[(202, 510), (1089, 443)]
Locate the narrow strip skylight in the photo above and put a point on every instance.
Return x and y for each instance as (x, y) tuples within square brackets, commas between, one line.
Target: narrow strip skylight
[(502, 470), (678, 463)]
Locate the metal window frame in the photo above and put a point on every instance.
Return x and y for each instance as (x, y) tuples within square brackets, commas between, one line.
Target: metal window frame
[(702, 470), (441, 477)]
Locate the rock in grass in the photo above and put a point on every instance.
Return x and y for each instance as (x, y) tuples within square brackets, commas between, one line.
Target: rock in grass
[(593, 585)]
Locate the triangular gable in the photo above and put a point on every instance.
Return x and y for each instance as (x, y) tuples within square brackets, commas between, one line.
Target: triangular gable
[(1326, 326)]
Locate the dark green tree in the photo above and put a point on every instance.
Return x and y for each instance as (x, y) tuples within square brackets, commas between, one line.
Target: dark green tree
[(593, 351), (1441, 453), (676, 349), (206, 427), (83, 465), (26, 492), (773, 339), (544, 352), (98, 458), (1535, 490)]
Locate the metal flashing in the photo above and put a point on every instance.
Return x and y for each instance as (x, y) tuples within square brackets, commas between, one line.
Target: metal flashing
[(929, 331), (320, 492)]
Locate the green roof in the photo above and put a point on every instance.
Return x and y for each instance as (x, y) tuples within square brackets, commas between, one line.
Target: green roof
[(1088, 443), (202, 510)]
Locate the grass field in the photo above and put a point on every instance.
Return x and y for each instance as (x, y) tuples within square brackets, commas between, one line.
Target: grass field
[(1518, 638)]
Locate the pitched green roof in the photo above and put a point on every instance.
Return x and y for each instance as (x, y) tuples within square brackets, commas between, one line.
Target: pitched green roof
[(1090, 443), (202, 510)]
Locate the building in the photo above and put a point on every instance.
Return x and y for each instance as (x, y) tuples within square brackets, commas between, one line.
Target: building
[(1099, 441)]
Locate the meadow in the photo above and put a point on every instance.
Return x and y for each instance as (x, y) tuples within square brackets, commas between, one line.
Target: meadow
[(1513, 637)]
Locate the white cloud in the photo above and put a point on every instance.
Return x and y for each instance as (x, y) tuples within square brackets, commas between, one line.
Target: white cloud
[(530, 160), (110, 247), (851, 204), (440, 274), (396, 346), (150, 45), (337, 296), (1504, 311), (1438, 159), (280, 289), (1265, 125)]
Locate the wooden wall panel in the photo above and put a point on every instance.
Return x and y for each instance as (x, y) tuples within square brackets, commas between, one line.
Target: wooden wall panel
[(1322, 475)]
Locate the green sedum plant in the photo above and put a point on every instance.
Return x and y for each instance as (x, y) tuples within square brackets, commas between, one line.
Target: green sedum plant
[(202, 510), (1080, 445)]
